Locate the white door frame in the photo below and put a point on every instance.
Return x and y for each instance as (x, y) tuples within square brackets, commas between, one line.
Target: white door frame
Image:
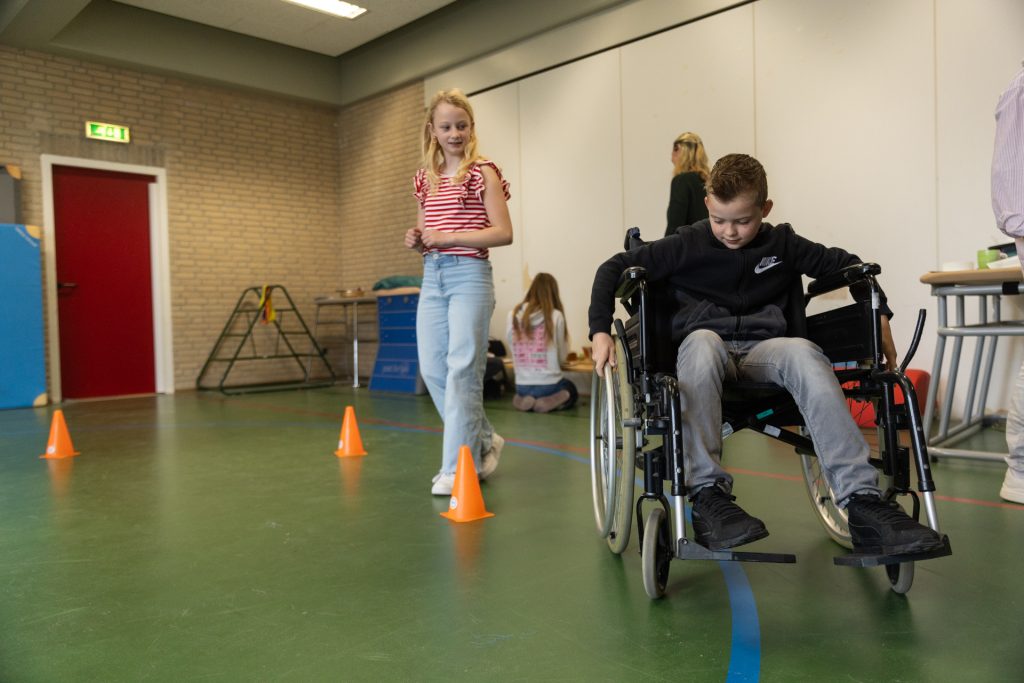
[(159, 253)]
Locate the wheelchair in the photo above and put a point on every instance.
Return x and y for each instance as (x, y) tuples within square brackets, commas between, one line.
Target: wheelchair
[(635, 424)]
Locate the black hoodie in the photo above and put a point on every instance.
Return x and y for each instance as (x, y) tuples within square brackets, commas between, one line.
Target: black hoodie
[(737, 293)]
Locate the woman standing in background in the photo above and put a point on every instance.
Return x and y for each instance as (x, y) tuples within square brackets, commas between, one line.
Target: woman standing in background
[(686, 196)]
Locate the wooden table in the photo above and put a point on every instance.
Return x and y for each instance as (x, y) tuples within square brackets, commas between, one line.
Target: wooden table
[(959, 285)]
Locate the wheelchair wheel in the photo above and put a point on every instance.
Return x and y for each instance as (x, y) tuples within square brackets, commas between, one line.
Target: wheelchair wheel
[(613, 452), (656, 553), (901, 576), (831, 516), (602, 471)]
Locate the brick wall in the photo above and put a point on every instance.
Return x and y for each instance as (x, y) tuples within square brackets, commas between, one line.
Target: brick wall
[(252, 180), (260, 189), (379, 143)]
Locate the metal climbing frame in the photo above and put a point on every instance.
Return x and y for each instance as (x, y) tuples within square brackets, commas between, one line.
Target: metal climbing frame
[(249, 313)]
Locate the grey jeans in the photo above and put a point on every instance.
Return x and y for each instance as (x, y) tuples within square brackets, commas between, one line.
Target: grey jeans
[(705, 361)]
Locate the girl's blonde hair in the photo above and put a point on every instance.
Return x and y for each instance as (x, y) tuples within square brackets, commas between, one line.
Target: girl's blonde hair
[(542, 296), (433, 157), (692, 157)]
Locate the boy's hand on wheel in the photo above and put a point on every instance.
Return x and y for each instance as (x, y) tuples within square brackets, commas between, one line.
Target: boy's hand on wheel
[(603, 352)]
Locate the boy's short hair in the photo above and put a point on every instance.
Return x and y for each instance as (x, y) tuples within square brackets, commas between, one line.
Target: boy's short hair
[(735, 174)]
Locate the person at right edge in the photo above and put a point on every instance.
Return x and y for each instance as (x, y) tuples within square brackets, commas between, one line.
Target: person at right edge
[(1008, 206), (732, 275)]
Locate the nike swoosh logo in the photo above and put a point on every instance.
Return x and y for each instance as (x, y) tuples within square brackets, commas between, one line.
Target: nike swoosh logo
[(758, 269)]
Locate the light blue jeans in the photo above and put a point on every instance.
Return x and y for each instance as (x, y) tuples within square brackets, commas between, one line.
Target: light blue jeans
[(452, 323), (705, 361)]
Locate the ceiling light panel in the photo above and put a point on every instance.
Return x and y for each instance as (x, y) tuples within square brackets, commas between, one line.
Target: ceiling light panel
[(334, 7)]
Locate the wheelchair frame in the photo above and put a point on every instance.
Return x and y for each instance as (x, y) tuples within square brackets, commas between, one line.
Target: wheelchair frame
[(634, 401)]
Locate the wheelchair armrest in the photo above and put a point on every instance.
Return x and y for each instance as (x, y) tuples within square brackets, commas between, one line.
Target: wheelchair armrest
[(629, 282), (850, 275)]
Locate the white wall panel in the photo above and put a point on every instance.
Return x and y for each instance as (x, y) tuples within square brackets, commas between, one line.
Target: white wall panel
[(572, 177), (873, 119), (846, 131), (497, 127), (678, 81), (979, 49), (969, 81), (601, 31)]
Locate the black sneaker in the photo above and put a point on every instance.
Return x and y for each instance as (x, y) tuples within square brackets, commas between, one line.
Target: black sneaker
[(719, 523), (882, 527)]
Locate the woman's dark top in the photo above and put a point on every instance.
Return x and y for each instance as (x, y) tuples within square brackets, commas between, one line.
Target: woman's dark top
[(685, 201)]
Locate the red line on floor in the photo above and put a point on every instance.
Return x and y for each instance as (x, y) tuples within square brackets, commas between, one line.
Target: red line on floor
[(983, 503), (577, 449)]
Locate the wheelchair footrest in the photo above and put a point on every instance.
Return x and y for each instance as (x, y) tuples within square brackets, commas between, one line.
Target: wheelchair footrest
[(870, 560), (691, 550)]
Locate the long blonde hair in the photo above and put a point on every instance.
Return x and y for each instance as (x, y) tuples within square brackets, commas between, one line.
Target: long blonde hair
[(692, 157), (433, 157), (542, 296)]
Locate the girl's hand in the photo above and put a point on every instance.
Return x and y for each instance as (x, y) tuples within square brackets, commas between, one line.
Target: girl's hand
[(413, 240), (603, 351), (436, 239)]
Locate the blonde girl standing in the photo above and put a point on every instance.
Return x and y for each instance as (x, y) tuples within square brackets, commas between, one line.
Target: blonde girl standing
[(462, 213)]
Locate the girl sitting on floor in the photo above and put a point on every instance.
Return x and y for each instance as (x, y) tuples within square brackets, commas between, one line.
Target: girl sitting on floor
[(539, 341)]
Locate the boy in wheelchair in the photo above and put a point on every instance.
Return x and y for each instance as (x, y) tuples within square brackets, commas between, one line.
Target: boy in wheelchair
[(731, 276)]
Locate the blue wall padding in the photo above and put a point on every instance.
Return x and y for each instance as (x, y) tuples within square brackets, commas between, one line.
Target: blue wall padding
[(22, 354)]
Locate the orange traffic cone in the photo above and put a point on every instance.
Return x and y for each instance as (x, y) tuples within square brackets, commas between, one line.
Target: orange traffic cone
[(467, 503), (59, 445), (349, 442)]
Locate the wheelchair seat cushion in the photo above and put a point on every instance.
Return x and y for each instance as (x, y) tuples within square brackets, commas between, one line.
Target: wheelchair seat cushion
[(742, 390)]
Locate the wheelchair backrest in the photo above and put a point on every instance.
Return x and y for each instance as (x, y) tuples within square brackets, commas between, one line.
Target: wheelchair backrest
[(844, 334)]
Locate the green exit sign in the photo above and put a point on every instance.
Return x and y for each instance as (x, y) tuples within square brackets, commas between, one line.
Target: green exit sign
[(107, 131)]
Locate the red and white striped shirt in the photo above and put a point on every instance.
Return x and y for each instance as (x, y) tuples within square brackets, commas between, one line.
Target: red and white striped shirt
[(457, 208)]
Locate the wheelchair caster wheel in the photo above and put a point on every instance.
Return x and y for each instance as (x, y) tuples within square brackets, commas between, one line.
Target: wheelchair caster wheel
[(656, 553), (901, 576)]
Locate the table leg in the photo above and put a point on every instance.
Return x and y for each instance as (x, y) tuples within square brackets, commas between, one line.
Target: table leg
[(355, 345)]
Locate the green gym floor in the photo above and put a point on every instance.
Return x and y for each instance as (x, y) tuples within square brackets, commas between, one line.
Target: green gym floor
[(207, 538)]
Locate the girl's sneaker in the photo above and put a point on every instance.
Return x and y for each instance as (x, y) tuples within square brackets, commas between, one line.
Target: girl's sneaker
[(489, 462), (443, 484)]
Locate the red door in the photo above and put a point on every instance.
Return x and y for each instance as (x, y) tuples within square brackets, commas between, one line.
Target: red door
[(104, 284)]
